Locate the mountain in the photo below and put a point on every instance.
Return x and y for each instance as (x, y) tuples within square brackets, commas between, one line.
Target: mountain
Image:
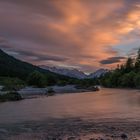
[(98, 73), (74, 73), (12, 67)]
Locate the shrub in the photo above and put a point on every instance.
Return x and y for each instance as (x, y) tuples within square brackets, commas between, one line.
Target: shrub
[(137, 80), (36, 79), (11, 84)]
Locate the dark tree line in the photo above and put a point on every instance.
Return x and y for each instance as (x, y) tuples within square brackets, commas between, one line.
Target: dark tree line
[(126, 75)]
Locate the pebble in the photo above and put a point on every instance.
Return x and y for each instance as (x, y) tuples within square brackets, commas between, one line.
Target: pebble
[(92, 139), (124, 136), (71, 138)]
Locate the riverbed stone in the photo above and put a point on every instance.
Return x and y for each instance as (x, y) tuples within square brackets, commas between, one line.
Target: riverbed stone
[(71, 138), (124, 136)]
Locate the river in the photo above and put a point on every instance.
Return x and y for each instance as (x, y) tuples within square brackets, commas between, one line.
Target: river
[(105, 105)]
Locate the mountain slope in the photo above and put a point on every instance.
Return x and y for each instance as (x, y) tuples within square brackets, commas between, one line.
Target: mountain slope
[(74, 73), (12, 67), (98, 73)]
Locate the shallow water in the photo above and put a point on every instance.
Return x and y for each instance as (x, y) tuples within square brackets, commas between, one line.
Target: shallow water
[(104, 104)]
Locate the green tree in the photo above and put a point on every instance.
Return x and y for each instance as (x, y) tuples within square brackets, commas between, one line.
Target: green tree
[(137, 80), (11, 84), (127, 80), (137, 63), (105, 80), (51, 80), (129, 64), (114, 78), (126, 75), (36, 79)]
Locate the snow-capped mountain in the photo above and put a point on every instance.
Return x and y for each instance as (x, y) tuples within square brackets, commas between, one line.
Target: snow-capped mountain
[(74, 72), (98, 73), (65, 71)]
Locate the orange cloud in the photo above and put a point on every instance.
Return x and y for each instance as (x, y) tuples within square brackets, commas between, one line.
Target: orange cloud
[(84, 31)]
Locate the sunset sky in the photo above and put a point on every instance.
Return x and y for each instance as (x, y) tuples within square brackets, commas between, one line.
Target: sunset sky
[(82, 34)]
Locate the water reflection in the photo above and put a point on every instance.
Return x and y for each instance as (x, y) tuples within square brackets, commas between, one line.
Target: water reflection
[(107, 103)]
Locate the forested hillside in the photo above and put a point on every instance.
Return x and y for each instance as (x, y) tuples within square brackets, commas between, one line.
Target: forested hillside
[(12, 67)]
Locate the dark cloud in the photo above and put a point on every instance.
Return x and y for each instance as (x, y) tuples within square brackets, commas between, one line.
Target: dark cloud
[(42, 7), (31, 55), (112, 60), (41, 57)]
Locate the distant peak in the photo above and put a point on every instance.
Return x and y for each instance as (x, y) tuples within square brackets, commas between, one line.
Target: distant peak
[(73, 72)]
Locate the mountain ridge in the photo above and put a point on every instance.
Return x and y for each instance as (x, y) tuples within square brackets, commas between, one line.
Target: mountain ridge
[(75, 73), (12, 67), (65, 71)]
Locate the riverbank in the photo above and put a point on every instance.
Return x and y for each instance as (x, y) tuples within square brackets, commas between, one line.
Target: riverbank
[(10, 96), (32, 92), (72, 129)]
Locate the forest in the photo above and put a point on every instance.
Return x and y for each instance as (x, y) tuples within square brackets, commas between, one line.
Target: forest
[(124, 76)]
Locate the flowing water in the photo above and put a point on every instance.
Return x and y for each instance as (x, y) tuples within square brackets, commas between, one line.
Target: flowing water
[(104, 104)]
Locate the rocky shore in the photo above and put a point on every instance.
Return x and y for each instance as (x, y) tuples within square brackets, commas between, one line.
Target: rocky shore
[(72, 129), (31, 92)]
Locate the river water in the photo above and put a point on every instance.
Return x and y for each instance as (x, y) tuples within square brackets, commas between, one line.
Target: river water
[(104, 104)]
